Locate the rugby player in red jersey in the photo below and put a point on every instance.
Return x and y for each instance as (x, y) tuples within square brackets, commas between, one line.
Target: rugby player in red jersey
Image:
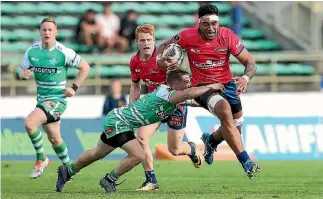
[(143, 67), (208, 48)]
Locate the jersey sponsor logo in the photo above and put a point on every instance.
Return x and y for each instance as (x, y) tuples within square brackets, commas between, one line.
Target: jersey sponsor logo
[(49, 103), (109, 130), (191, 34), (162, 115), (45, 70), (34, 59), (58, 114), (197, 51), (53, 61), (137, 70), (209, 64), (238, 44), (151, 71), (221, 50), (176, 120)]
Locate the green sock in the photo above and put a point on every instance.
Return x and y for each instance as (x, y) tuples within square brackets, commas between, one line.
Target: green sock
[(62, 153), (71, 169), (112, 176), (37, 140)]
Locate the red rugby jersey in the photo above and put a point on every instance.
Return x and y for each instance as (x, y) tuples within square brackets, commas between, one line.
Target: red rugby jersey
[(209, 60), (147, 71)]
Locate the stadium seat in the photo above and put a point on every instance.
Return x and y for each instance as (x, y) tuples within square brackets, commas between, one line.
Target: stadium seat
[(7, 21), (150, 19), (165, 33), (65, 34), (66, 20), (115, 71), (91, 5), (224, 8), (24, 34), (71, 7), (8, 8), (177, 7), (27, 7), (27, 21), (7, 35), (45, 7), (153, 7), (248, 33)]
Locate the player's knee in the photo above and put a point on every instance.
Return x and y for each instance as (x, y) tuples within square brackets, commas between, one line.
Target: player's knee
[(30, 126), (139, 157), (174, 151), (144, 142), (55, 140)]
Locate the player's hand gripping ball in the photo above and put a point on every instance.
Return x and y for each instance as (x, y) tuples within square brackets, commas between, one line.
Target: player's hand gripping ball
[(173, 56)]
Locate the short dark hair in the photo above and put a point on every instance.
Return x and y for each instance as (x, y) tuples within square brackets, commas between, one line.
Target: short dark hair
[(175, 75), (207, 9), (90, 11), (48, 20)]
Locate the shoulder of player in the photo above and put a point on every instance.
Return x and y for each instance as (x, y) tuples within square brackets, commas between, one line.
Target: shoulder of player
[(34, 46), (63, 48), (225, 32), (134, 59)]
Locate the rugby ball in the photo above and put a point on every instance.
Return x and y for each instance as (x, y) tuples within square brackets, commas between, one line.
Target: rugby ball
[(174, 51)]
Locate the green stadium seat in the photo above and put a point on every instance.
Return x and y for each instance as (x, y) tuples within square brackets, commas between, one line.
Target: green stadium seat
[(248, 33), (131, 5), (165, 33), (177, 7), (66, 21), (224, 8), (27, 8), (72, 73), (24, 34), (172, 20), (70, 8), (188, 20), (7, 35), (8, 8), (150, 19), (65, 33), (26, 21), (114, 71), (153, 7), (8, 21), (260, 45), (45, 7), (91, 5)]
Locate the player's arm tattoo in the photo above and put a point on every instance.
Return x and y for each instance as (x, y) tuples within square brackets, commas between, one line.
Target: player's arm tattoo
[(250, 69)]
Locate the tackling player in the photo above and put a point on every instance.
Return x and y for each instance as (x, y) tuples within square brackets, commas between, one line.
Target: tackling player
[(50, 60), (120, 123), (143, 67), (208, 47)]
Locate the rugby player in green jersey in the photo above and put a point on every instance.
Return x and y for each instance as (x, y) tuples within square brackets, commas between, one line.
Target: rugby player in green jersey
[(120, 125), (49, 61)]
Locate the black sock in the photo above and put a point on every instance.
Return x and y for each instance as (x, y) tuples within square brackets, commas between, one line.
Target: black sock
[(214, 143)]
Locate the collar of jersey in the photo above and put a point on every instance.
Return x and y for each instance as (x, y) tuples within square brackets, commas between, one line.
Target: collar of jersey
[(52, 48)]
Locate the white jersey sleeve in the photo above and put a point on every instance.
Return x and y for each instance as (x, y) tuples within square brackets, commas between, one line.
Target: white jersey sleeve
[(165, 92), (26, 63), (72, 59)]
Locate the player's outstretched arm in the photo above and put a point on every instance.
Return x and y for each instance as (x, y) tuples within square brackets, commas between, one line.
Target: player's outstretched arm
[(134, 91), (193, 92)]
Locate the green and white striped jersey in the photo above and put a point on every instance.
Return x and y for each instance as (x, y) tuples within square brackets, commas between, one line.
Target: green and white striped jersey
[(50, 69), (151, 108)]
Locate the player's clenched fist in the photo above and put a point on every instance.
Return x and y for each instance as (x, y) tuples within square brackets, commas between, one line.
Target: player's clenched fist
[(69, 92), (167, 62), (26, 73)]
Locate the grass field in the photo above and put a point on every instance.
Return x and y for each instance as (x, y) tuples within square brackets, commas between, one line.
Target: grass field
[(277, 179)]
